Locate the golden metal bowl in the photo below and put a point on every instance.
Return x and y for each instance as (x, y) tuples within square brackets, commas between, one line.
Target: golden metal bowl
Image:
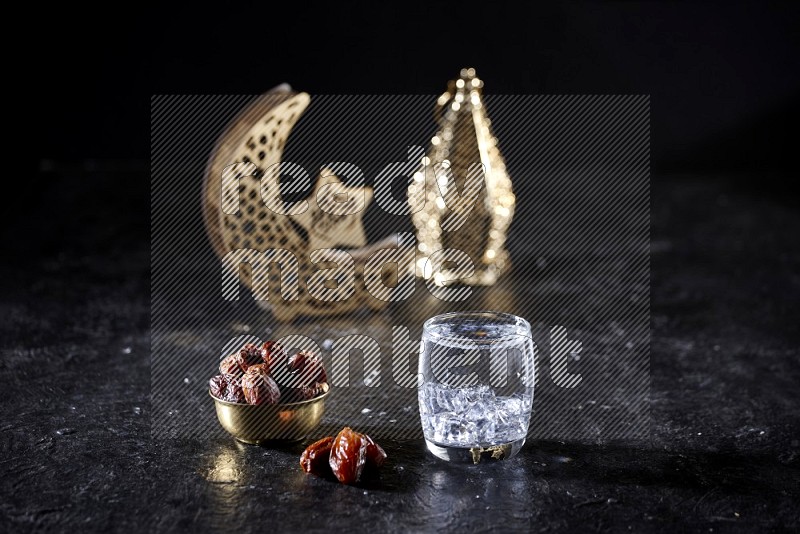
[(270, 422)]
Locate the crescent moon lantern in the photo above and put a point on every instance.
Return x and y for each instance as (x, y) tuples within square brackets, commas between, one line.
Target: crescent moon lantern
[(257, 136)]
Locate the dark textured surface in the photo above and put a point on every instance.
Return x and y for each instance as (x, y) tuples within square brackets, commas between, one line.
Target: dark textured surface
[(723, 451)]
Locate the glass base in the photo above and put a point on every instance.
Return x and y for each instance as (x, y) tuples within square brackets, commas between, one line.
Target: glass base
[(475, 455)]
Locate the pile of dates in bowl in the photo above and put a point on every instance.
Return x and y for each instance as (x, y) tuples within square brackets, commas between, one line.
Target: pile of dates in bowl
[(264, 394)]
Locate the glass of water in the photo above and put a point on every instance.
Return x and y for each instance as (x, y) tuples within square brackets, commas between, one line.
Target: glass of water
[(476, 391)]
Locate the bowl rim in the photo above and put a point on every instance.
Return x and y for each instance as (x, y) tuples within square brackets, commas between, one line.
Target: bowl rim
[(279, 405)]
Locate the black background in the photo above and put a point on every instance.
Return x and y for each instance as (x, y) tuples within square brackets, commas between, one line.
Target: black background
[(723, 77)]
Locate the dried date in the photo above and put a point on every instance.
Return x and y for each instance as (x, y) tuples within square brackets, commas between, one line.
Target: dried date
[(297, 362), (305, 378), (316, 458), (273, 355), (314, 368), (232, 365), (251, 355), (239, 362), (218, 385), (376, 456), (305, 369), (227, 388), (309, 392), (348, 456), (259, 387), (234, 393)]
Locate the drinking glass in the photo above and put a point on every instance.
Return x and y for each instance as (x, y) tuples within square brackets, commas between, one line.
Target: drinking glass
[(476, 391)]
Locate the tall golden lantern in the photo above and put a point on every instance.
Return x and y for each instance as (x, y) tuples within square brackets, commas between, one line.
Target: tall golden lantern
[(468, 200)]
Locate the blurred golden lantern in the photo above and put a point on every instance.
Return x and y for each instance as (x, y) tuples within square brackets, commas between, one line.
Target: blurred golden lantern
[(469, 202)]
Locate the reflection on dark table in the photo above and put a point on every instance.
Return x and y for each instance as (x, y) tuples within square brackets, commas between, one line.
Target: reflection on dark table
[(723, 450)]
